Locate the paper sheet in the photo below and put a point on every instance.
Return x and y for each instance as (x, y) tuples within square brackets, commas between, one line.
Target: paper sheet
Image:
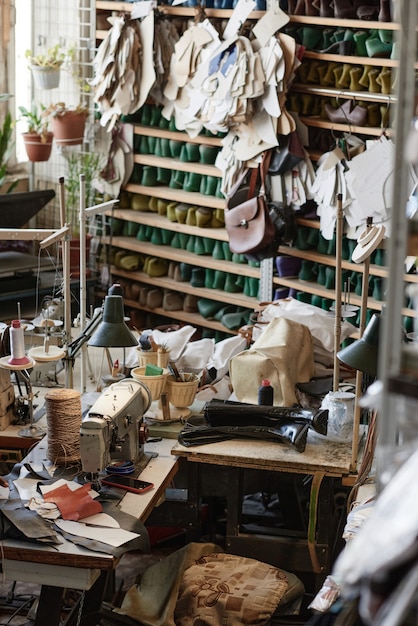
[(112, 536)]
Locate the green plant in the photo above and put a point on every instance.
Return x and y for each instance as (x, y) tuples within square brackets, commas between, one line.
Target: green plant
[(37, 120), (60, 108), (6, 145), (53, 58), (90, 164)]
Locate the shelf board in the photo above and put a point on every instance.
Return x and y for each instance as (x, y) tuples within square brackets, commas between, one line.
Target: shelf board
[(150, 218), (176, 135), (182, 256), (314, 20), (163, 282), (122, 7), (176, 164), (316, 257), (347, 128), (329, 92), (351, 59), (193, 198)]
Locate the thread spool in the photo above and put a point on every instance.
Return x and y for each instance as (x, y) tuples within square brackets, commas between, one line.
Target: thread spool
[(63, 416), (17, 345)]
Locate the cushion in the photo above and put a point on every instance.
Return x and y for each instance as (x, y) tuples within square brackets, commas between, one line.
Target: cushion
[(229, 590)]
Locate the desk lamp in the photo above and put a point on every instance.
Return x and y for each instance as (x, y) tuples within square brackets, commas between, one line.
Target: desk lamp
[(113, 332), (362, 354)]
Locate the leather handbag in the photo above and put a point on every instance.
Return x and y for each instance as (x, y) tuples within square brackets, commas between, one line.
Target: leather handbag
[(247, 218), (287, 154)]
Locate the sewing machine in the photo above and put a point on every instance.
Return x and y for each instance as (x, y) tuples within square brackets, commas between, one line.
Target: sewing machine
[(113, 429)]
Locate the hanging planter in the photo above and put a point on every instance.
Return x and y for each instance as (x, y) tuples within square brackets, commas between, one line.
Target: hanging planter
[(46, 67), (38, 147), (46, 77), (68, 125)]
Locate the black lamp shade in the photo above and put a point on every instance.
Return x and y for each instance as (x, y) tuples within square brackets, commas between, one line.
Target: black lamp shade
[(113, 332), (363, 354)]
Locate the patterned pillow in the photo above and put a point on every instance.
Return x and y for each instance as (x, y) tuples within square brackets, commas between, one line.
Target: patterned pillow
[(228, 590)]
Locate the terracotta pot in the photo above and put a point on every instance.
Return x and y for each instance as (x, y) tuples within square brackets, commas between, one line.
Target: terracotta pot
[(68, 128), (35, 148)]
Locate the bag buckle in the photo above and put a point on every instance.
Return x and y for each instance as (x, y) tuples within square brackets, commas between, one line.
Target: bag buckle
[(244, 223)]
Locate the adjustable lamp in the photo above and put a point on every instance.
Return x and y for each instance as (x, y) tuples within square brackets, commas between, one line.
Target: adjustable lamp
[(113, 332), (362, 355)]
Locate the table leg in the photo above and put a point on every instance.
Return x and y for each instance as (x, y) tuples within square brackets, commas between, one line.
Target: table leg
[(89, 603), (49, 606)]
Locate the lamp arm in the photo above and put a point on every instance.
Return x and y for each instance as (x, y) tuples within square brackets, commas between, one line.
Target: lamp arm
[(75, 346)]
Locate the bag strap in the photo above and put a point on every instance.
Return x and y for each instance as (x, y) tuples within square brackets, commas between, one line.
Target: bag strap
[(264, 168)]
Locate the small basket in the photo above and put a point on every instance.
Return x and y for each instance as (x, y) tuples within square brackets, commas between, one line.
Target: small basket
[(181, 394), (147, 358), (156, 384)]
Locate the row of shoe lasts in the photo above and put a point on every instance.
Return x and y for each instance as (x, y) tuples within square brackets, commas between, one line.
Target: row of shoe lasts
[(151, 176), (351, 112), (186, 152), (324, 275), (150, 297), (198, 277), (312, 239), (150, 115), (380, 10), (345, 76), (372, 43), (231, 316), (201, 246), (203, 217)]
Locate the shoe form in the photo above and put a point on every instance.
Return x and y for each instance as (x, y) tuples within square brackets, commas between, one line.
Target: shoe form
[(139, 202), (355, 75), (172, 301), (190, 303), (192, 181), (217, 219), (154, 298), (181, 212), (156, 237), (218, 252), (157, 267), (203, 217), (153, 204), (360, 43), (171, 211), (384, 79), (191, 216), (227, 251), (149, 176), (163, 175)]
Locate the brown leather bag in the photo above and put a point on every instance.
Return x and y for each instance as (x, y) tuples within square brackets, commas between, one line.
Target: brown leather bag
[(247, 218)]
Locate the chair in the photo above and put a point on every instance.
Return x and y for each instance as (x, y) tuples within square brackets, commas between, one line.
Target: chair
[(203, 578)]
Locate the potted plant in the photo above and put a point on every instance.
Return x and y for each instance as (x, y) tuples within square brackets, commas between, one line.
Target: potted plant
[(6, 146), (67, 123), (46, 67), (38, 139)]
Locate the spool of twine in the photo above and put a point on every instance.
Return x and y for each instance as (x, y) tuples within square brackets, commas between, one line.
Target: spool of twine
[(63, 416)]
